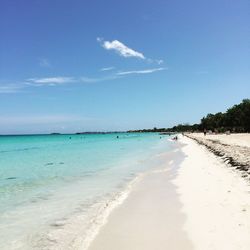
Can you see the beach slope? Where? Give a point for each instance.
(192, 201)
(216, 200)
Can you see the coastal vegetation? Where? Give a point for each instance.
(235, 119)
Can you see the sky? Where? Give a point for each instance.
(86, 65)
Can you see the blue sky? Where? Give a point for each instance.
(72, 65)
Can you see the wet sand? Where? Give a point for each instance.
(151, 217)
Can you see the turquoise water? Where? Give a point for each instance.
(49, 178)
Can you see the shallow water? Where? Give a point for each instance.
(55, 187)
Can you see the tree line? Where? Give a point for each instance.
(235, 119)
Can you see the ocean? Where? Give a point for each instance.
(57, 190)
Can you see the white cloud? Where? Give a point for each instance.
(100, 79)
(60, 80)
(125, 51)
(10, 88)
(120, 48)
(145, 71)
(107, 69)
(52, 80)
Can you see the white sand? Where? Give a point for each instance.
(234, 149)
(232, 139)
(215, 199)
(214, 203)
(150, 217)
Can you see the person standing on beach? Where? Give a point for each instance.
(205, 132)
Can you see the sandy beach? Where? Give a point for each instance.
(231, 139)
(191, 200)
(124, 125)
(233, 149)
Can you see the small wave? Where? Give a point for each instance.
(79, 230)
(102, 217)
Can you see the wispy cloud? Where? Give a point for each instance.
(159, 61)
(51, 80)
(120, 48)
(144, 71)
(44, 62)
(107, 69)
(61, 80)
(98, 79)
(11, 88)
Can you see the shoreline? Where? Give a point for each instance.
(203, 205)
(80, 182)
(138, 223)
